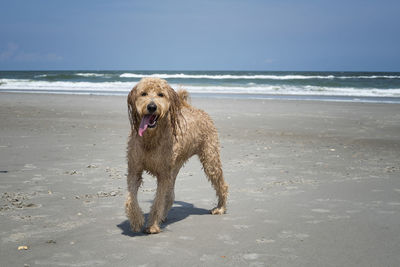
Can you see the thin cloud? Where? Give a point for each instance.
(13, 53)
(9, 52)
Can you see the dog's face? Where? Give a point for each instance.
(151, 101)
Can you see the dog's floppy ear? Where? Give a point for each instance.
(174, 109)
(132, 111)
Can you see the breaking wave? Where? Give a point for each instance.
(118, 87)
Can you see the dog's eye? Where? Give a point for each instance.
(144, 94)
(160, 94)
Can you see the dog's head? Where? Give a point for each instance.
(150, 102)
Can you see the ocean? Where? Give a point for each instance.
(330, 86)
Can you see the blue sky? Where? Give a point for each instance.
(353, 35)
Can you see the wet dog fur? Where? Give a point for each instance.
(165, 132)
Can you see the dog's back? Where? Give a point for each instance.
(196, 131)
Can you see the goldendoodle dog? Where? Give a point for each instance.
(165, 132)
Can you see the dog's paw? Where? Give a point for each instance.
(137, 225)
(218, 211)
(154, 229)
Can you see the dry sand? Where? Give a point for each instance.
(311, 184)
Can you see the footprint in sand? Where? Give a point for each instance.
(290, 234)
(241, 226)
(321, 210)
(265, 241)
(227, 239)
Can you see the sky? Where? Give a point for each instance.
(281, 35)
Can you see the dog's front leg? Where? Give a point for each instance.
(158, 208)
(169, 200)
(132, 209)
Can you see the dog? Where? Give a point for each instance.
(165, 132)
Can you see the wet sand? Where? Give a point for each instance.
(311, 184)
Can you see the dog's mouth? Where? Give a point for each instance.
(148, 121)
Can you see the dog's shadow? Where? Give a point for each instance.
(176, 214)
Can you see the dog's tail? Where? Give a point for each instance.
(183, 96)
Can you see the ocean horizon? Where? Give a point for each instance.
(299, 85)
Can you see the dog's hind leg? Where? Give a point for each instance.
(132, 209)
(209, 157)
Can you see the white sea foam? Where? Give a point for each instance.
(229, 76)
(29, 85)
(250, 77)
(223, 77)
(76, 74)
(124, 87)
(41, 76)
(298, 90)
(90, 74)
(370, 77)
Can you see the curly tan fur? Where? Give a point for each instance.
(181, 131)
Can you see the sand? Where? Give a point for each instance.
(311, 184)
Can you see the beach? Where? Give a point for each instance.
(312, 183)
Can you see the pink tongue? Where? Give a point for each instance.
(143, 124)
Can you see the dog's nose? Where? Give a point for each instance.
(152, 107)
